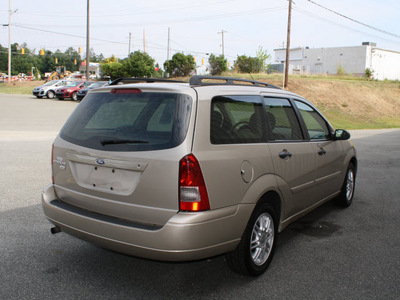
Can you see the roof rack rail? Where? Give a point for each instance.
(198, 81)
(123, 80)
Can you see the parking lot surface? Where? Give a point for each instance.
(332, 253)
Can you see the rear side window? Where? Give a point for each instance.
(236, 120)
(282, 120)
(129, 121)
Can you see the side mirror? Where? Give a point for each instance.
(341, 135)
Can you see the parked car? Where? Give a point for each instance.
(48, 89)
(183, 171)
(71, 89)
(82, 93)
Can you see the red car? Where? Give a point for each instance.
(71, 89)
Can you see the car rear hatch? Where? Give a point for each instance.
(119, 152)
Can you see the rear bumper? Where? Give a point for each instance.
(186, 236)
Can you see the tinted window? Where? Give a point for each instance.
(316, 125)
(129, 122)
(282, 120)
(236, 119)
(72, 83)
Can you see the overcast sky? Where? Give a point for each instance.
(195, 25)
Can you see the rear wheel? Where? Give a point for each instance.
(50, 94)
(346, 195)
(39, 97)
(256, 248)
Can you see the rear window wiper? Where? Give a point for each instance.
(114, 142)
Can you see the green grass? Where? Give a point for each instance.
(338, 120)
(10, 89)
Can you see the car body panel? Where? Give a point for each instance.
(82, 92)
(42, 91)
(128, 201)
(69, 91)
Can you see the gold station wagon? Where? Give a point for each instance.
(177, 171)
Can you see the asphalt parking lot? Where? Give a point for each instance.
(332, 253)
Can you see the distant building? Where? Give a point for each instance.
(385, 64)
(94, 70)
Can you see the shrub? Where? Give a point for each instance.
(218, 64)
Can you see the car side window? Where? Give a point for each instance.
(236, 120)
(315, 124)
(282, 120)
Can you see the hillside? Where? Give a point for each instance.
(349, 103)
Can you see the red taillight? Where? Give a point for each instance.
(192, 188)
(52, 155)
(126, 91)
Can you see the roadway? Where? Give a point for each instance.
(332, 253)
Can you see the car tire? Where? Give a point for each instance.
(345, 198)
(39, 97)
(50, 94)
(256, 248)
(74, 96)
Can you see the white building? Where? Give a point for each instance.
(385, 64)
(94, 70)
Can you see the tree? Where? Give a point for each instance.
(263, 56)
(113, 70)
(3, 59)
(247, 64)
(158, 72)
(218, 64)
(180, 65)
(21, 63)
(95, 58)
(111, 59)
(139, 64)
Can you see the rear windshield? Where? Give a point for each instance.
(129, 122)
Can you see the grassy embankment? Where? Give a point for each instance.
(348, 102)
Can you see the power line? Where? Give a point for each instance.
(355, 21)
(157, 46)
(337, 24)
(67, 34)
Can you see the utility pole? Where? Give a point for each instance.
(288, 45)
(129, 49)
(87, 43)
(223, 47)
(169, 35)
(9, 41)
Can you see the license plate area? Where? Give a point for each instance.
(105, 179)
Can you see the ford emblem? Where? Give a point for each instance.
(100, 161)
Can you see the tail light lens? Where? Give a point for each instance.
(192, 188)
(126, 91)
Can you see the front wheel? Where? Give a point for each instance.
(39, 97)
(74, 96)
(256, 248)
(50, 94)
(346, 195)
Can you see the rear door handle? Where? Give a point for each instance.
(321, 151)
(285, 154)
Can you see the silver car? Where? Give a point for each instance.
(183, 171)
(48, 89)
